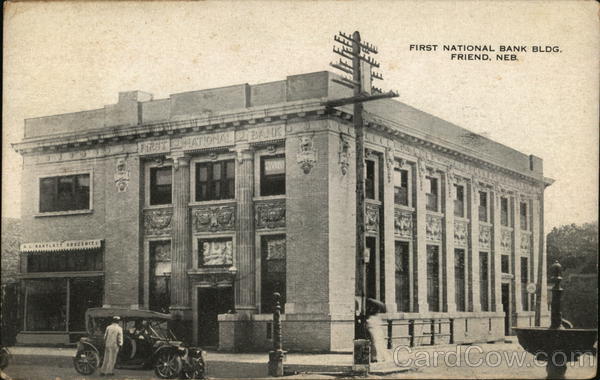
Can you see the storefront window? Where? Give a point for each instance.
(46, 305)
(85, 293)
(68, 261)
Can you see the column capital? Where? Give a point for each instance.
(243, 152)
(179, 159)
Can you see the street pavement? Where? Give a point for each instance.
(485, 361)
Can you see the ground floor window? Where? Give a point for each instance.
(484, 281)
(68, 261)
(433, 277)
(59, 304)
(160, 276)
(459, 279)
(524, 281)
(402, 276)
(273, 254)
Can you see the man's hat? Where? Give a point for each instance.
(116, 318)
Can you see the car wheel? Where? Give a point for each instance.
(167, 365)
(86, 362)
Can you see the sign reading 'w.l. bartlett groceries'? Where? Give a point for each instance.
(65, 245)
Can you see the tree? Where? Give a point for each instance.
(576, 248)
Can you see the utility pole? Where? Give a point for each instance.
(353, 49)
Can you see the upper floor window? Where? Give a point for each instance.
(370, 179)
(483, 206)
(433, 191)
(401, 190)
(523, 216)
(160, 185)
(215, 180)
(504, 214)
(272, 175)
(65, 193)
(459, 201)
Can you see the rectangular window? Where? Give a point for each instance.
(65, 193)
(505, 263)
(69, 261)
(523, 216)
(459, 279)
(432, 194)
(215, 252)
(160, 185)
(85, 293)
(483, 206)
(272, 175)
(433, 278)
(524, 281)
(160, 276)
(273, 279)
(46, 307)
(402, 276)
(484, 281)
(215, 180)
(459, 201)
(370, 179)
(504, 211)
(401, 193)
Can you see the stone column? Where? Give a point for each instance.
(516, 254)
(496, 250)
(244, 236)
(539, 251)
(448, 246)
(421, 240)
(473, 202)
(388, 231)
(180, 244)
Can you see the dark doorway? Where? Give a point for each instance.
(506, 307)
(211, 303)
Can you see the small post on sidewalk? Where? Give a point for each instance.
(276, 356)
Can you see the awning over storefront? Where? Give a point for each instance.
(61, 246)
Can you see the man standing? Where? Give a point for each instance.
(113, 340)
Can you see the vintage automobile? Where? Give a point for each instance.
(148, 342)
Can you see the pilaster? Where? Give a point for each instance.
(516, 255)
(245, 260)
(421, 240)
(474, 246)
(539, 254)
(448, 247)
(496, 251)
(180, 246)
(388, 232)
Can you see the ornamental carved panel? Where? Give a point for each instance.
(525, 242)
(372, 218)
(433, 228)
(403, 223)
(213, 218)
(506, 241)
(461, 233)
(485, 237)
(158, 222)
(270, 214)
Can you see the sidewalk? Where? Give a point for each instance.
(294, 362)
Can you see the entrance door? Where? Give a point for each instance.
(211, 303)
(506, 307)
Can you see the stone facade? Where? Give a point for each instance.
(222, 253)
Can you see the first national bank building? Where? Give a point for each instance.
(205, 203)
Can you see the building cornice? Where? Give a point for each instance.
(265, 114)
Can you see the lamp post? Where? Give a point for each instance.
(276, 356)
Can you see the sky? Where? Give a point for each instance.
(67, 57)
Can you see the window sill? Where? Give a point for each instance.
(373, 201)
(230, 270)
(215, 202)
(405, 208)
(63, 213)
(155, 207)
(435, 213)
(461, 219)
(32, 275)
(481, 223)
(268, 197)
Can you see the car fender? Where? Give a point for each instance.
(162, 348)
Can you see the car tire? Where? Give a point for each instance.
(86, 362)
(168, 365)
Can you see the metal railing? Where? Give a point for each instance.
(432, 334)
